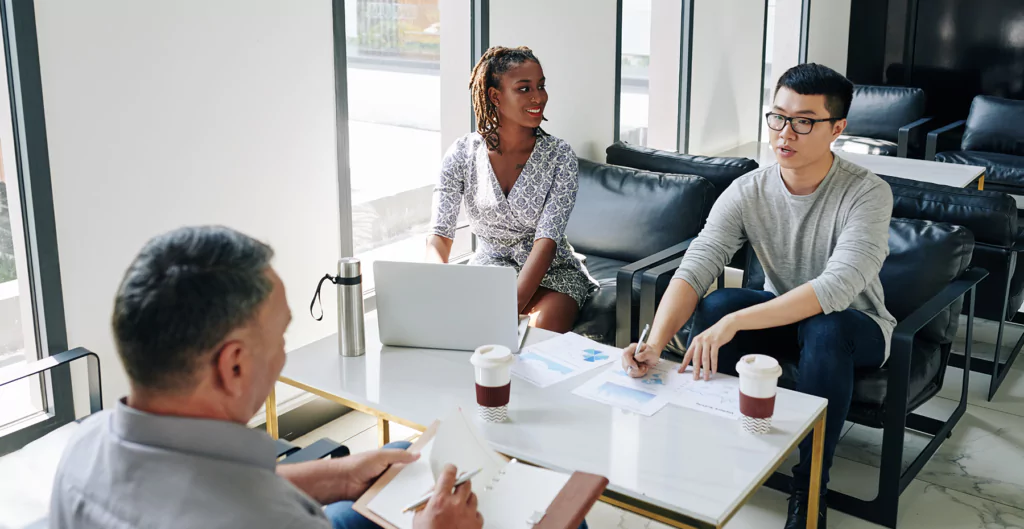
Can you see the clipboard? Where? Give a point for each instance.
(566, 511)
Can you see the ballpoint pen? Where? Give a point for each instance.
(643, 336)
(422, 502)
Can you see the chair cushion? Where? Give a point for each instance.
(626, 214)
(990, 215)
(597, 316)
(870, 385)
(995, 125)
(879, 111)
(907, 285)
(721, 171)
(1007, 169)
(864, 145)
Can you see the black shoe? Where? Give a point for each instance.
(797, 518)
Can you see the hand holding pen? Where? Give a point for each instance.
(638, 358)
(447, 508)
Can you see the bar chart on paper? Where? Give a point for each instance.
(561, 358)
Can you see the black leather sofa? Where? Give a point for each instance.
(720, 171)
(992, 218)
(887, 121)
(926, 302)
(992, 136)
(625, 221)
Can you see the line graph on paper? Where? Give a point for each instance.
(719, 396)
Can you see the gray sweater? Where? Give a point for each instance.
(836, 238)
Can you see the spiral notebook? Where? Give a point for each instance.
(511, 494)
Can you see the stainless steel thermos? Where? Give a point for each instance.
(351, 336)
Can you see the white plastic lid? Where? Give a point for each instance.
(492, 356)
(759, 366)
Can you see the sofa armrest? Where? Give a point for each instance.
(17, 372)
(912, 137)
(624, 316)
(913, 323)
(653, 284)
(946, 138)
(903, 337)
(318, 450)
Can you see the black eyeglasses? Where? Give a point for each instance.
(799, 125)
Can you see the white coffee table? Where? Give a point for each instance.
(949, 174)
(682, 467)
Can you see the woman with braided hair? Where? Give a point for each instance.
(519, 187)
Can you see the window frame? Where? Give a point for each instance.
(31, 155)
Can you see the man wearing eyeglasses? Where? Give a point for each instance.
(820, 228)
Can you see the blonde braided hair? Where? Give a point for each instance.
(487, 74)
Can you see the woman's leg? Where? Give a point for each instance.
(552, 310)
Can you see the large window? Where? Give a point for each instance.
(636, 59)
(29, 277)
(393, 50)
(394, 102)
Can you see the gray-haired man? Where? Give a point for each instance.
(199, 322)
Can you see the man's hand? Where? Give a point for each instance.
(703, 350)
(641, 361)
(361, 470)
(346, 478)
(447, 509)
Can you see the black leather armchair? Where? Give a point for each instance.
(887, 121)
(992, 137)
(720, 171)
(992, 218)
(626, 221)
(926, 302)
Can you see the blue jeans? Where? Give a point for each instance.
(342, 516)
(827, 347)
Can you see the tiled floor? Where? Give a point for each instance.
(975, 480)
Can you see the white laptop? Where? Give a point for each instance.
(446, 306)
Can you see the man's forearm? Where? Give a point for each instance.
(677, 305)
(318, 479)
(796, 305)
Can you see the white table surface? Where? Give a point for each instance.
(949, 174)
(689, 462)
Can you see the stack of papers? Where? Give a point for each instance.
(561, 358)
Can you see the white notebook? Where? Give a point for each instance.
(510, 494)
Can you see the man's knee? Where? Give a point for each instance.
(398, 445)
(826, 339)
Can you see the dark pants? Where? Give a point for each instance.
(827, 348)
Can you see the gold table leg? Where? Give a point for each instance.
(981, 183)
(383, 432)
(814, 494)
(271, 411)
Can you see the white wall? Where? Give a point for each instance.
(455, 70)
(663, 113)
(575, 42)
(786, 50)
(725, 85)
(829, 36)
(164, 114)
